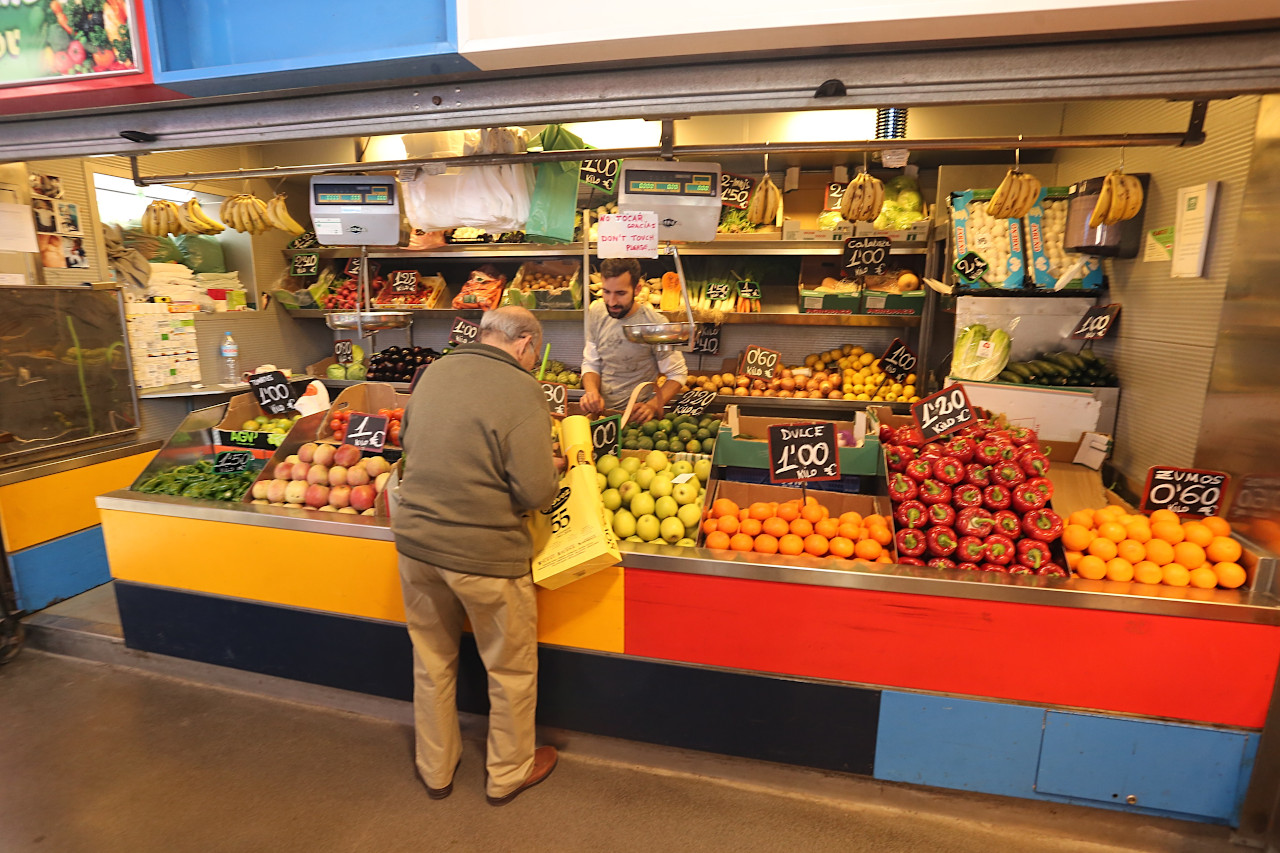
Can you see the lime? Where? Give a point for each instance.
(693, 447)
(644, 443)
(676, 446)
(661, 444)
(649, 427)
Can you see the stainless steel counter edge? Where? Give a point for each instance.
(57, 466)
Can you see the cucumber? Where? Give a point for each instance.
(1010, 376)
(1021, 368)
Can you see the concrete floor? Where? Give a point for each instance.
(96, 758)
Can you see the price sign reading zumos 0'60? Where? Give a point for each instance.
(1186, 491)
(760, 363)
(367, 432)
(273, 392)
(800, 453)
(898, 361)
(604, 435)
(1096, 323)
(943, 413)
(866, 255)
(557, 395)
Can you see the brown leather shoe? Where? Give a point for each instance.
(441, 793)
(544, 761)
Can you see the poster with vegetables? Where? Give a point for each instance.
(43, 40)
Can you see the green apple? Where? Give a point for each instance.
(602, 482)
(648, 527)
(616, 478)
(608, 518)
(687, 542)
(683, 466)
(607, 463)
(630, 464)
(657, 460)
(611, 498)
(690, 515)
(629, 490)
(634, 539)
(665, 507)
(686, 493)
(644, 477)
(702, 470)
(661, 485)
(672, 530)
(624, 524)
(642, 504)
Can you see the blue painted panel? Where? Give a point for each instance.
(958, 743)
(60, 568)
(1166, 766)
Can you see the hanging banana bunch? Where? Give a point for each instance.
(160, 218)
(278, 215)
(194, 220)
(1120, 199)
(1015, 196)
(766, 203)
(246, 213)
(863, 199)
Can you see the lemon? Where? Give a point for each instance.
(866, 358)
(864, 396)
(908, 390)
(911, 379)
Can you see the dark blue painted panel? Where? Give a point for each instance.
(60, 568)
(958, 743)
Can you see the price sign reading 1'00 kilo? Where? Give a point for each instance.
(343, 351)
(943, 413)
(759, 363)
(692, 402)
(970, 267)
(557, 395)
(463, 332)
(273, 392)
(866, 255)
(1096, 323)
(898, 361)
(1186, 491)
(367, 432)
(735, 191)
(803, 452)
(604, 435)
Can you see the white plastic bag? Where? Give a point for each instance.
(493, 198)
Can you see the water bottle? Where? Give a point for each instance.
(231, 361)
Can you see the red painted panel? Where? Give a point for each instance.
(1164, 666)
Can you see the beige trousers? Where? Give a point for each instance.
(504, 619)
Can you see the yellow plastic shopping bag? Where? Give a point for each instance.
(570, 538)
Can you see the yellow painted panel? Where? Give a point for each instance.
(586, 614)
(45, 508)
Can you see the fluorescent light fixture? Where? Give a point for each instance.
(382, 148)
(620, 133)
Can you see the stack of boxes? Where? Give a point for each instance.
(163, 345)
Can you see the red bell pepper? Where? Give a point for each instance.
(966, 495)
(970, 549)
(896, 456)
(1008, 523)
(919, 469)
(941, 563)
(994, 567)
(1033, 553)
(1044, 484)
(910, 561)
(961, 448)
(942, 514)
(886, 434)
(967, 567)
(911, 513)
(1019, 569)
(941, 541)
(933, 492)
(974, 521)
(1052, 570)
(1042, 524)
(932, 450)
(1007, 474)
(987, 452)
(999, 549)
(948, 469)
(1035, 464)
(979, 475)
(902, 487)
(1022, 435)
(910, 542)
(1027, 497)
(995, 498)
(910, 436)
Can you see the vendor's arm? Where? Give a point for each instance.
(672, 366)
(591, 402)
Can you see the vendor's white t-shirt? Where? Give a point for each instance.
(623, 364)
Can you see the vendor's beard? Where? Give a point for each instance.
(619, 312)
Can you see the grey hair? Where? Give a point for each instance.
(509, 324)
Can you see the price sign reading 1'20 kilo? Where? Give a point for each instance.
(273, 392)
(1186, 491)
(1096, 323)
(760, 363)
(801, 453)
(367, 432)
(898, 361)
(557, 395)
(604, 435)
(943, 413)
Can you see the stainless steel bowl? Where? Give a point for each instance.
(659, 334)
(372, 321)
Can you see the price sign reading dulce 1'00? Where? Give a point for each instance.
(866, 255)
(693, 402)
(760, 363)
(1186, 491)
(343, 351)
(943, 413)
(735, 190)
(1096, 323)
(557, 395)
(232, 461)
(273, 392)
(970, 267)
(604, 435)
(367, 432)
(801, 453)
(898, 361)
(463, 332)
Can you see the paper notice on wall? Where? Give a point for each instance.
(17, 229)
(628, 235)
(1191, 229)
(1158, 245)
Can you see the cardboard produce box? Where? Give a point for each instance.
(531, 275)
(879, 303)
(743, 441)
(815, 270)
(366, 397)
(230, 432)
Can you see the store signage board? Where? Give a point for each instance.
(604, 435)
(943, 413)
(557, 394)
(33, 51)
(404, 281)
(1186, 491)
(803, 453)
(344, 351)
(463, 332)
(628, 235)
(353, 268)
(865, 255)
(1096, 323)
(707, 339)
(749, 289)
(718, 290)
(692, 402)
(367, 432)
(834, 195)
(898, 361)
(273, 392)
(305, 264)
(970, 267)
(760, 363)
(599, 173)
(232, 461)
(735, 191)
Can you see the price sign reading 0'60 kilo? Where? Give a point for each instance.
(943, 413)
(1186, 491)
(273, 392)
(760, 363)
(343, 351)
(367, 432)
(557, 396)
(800, 453)
(898, 361)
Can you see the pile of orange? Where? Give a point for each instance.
(797, 527)
(1160, 549)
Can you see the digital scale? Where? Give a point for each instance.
(685, 196)
(355, 210)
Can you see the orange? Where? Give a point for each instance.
(741, 542)
(851, 517)
(816, 545)
(1119, 569)
(801, 527)
(1203, 578)
(1132, 551)
(827, 527)
(1164, 515)
(1159, 552)
(876, 519)
(1107, 513)
(1147, 572)
(1073, 557)
(1223, 549)
(1082, 517)
(1169, 531)
(775, 527)
(884, 558)
(853, 532)
(766, 544)
(1112, 530)
(1230, 575)
(750, 526)
(1091, 567)
(868, 549)
(1197, 532)
(723, 506)
(761, 511)
(881, 534)
(789, 511)
(1102, 548)
(812, 513)
(1220, 526)
(744, 514)
(727, 524)
(841, 547)
(1188, 554)
(1138, 531)
(790, 544)
(718, 540)
(1176, 574)
(711, 525)
(1076, 537)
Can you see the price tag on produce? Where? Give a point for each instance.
(865, 255)
(232, 461)
(717, 290)
(1186, 491)
(463, 332)
(1257, 497)
(735, 191)
(344, 351)
(273, 392)
(801, 453)
(627, 235)
(898, 361)
(353, 268)
(557, 394)
(604, 435)
(692, 402)
(759, 363)
(970, 267)
(943, 413)
(707, 339)
(749, 289)
(599, 173)
(367, 432)
(404, 281)
(1096, 323)
(834, 195)
(305, 264)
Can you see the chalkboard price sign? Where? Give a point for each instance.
(1257, 497)
(353, 268)
(735, 191)
(692, 402)
(604, 435)
(1186, 491)
(404, 281)
(760, 363)
(557, 394)
(1096, 323)
(232, 461)
(898, 361)
(273, 392)
(866, 255)
(749, 289)
(719, 290)
(463, 332)
(343, 351)
(801, 453)
(305, 264)
(707, 340)
(943, 413)
(367, 432)
(970, 267)
(599, 173)
(834, 195)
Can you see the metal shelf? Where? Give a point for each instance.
(544, 314)
(783, 318)
(719, 247)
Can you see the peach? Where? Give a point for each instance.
(358, 475)
(260, 490)
(296, 491)
(340, 496)
(369, 512)
(292, 459)
(318, 474)
(324, 454)
(376, 465)
(284, 471)
(380, 482)
(260, 501)
(299, 471)
(307, 452)
(347, 510)
(346, 455)
(276, 490)
(337, 476)
(362, 497)
(317, 495)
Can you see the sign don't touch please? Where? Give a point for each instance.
(628, 235)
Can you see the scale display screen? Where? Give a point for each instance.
(353, 193)
(651, 182)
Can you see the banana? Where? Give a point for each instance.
(1032, 184)
(1136, 196)
(278, 214)
(188, 225)
(863, 199)
(875, 202)
(259, 208)
(999, 205)
(1103, 205)
(852, 200)
(202, 223)
(149, 220)
(765, 203)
